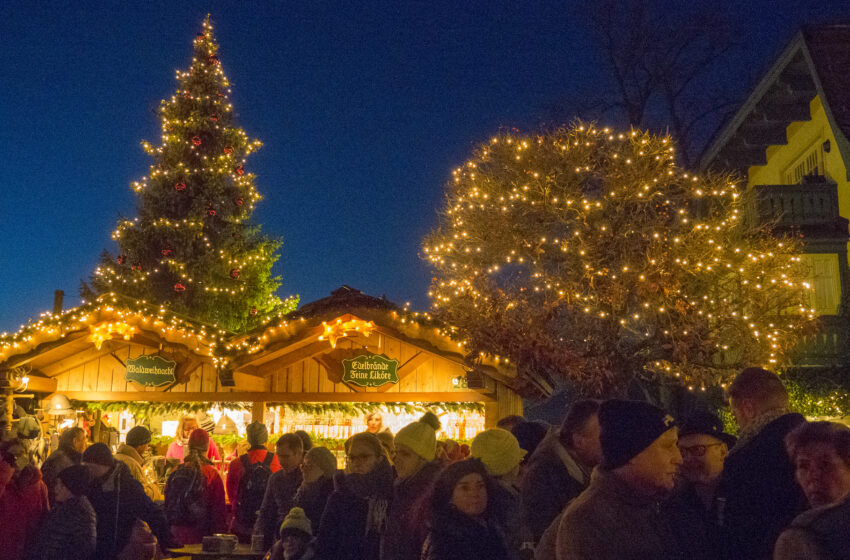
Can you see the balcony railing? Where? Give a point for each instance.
(810, 207)
(829, 347)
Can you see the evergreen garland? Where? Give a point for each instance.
(144, 409)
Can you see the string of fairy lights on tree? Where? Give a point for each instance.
(588, 253)
(192, 246)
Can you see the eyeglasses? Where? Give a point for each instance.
(359, 458)
(697, 450)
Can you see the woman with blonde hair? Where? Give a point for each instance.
(177, 449)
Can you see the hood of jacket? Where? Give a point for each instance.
(130, 452)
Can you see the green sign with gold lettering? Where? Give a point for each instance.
(151, 370)
(370, 370)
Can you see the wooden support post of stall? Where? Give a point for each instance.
(258, 412)
(491, 414)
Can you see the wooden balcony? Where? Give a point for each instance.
(829, 347)
(809, 208)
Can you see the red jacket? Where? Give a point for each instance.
(217, 522)
(23, 504)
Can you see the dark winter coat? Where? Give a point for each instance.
(609, 521)
(455, 536)
(761, 495)
(54, 464)
(23, 504)
(118, 500)
(696, 528)
(551, 480)
(355, 516)
(505, 502)
(69, 532)
(313, 498)
(277, 502)
(819, 534)
(406, 520)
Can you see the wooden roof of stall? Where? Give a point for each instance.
(82, 353)
(302, 334)
(815, 63)
(58, 343)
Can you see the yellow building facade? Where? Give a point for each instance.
(789, 139)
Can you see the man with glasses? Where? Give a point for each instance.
(695, 507)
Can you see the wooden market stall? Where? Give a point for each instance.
(346, 348)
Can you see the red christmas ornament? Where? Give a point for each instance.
(219, 94)
(240, 171)
(214, 118)
(228, 149)
(253, 311)
(122, 259)
(239, 201)
(213, 60)
(211, 211)
(187, 95)
(234, 273)
(137, 266)
(166, 252)
(196, 140)
(181, 186)
(200, 37)
(178, 287)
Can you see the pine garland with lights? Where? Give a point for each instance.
(147, 409)
(192, 246)
(587, 255)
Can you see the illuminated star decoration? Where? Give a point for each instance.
(339, 329)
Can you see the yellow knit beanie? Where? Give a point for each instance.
(420, 438)
(296, 520)
(498, 449)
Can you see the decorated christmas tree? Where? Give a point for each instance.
(192, 246)
(588, 256)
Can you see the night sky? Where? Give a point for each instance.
(364, 109)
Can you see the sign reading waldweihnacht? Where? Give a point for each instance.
(370, 370)
(151, 370)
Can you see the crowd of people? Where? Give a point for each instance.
(617, 479)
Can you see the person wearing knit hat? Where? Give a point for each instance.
(317, 485)
(76, 480)
(501, 454)
(69, 530)
(296, 537)
(118, 500)
(99, 459)
(617, 516)
(499, 450)
(132, 454)
(461, 516)
(182, 501)
(257, 434)
(246, 494)
(416, 471)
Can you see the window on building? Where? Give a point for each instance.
(825, 281)
(810, 163)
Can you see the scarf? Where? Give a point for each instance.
(758, 424)
(376, 487)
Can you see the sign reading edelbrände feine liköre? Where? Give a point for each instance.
(151, 370)
(370, 370)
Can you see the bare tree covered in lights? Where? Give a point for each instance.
(192, 246)
(588, 255)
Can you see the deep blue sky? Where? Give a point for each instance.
(364, 109)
